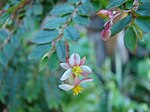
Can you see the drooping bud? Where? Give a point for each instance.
(105, 34)
(103, 13)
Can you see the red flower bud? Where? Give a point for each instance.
(103, 13)
(105, 34)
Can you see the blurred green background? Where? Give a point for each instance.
(117, 87)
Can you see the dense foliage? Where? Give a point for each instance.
(36, 35)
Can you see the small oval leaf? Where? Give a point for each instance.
(71, 33)
(55, 23)
(61, 50)
(130, 39)
(39, 51)
(45, 36)
(61, 10)
(120, 25)
(144, 23)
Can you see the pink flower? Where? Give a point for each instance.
(75, 67)
(75, 85)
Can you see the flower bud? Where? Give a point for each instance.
(105, 34)
(103, 13)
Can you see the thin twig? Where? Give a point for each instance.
(21, 5)
(63, 27)
(67, 52)
(67, 23)
(25, 2)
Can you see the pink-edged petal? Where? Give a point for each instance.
(84, 74)
(86, 69)
(76, 81)
(65, 87)
(66, 75)
(65, 65)
(74, 59)
(84, 80)
(83, 60)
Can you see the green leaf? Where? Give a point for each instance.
(144, 1)
(96, 5)
(43, 63)
(53, 62)
(73, 1)
(143, 71)
(39, 51)
(116, 3)
(144, 9)
(55, 23)
(129, 4)
(5, 17)
(34, 82)
(3, 35)
(45, 36)
(71, 33)
(37, 9)
(61, 10)
(120, 25)
(51, 92)
(138, 31)
(84, 9)
(15, 41)
(3, 59)
(8, 50)
(82, 20)
(130, 39)
(144, 23)
(61, 50)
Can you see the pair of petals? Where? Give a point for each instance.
(74, 60)
(77, 81)
(86, 71)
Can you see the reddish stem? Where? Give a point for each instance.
(67, 52)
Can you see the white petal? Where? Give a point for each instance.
(74, 59)
(65, 65)
(86, 69)
(86, 80)
(66, 75)
(65, 87)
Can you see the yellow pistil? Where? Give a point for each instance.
(77, 70)
(77, 89)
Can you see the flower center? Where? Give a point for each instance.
(77, 89)
(77, 70)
